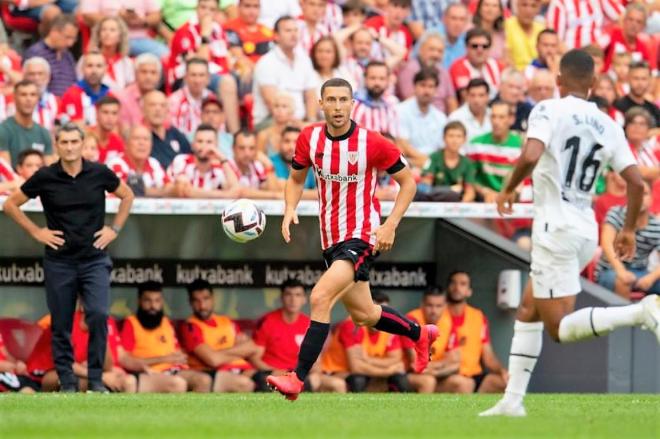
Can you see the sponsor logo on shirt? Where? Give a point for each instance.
(353, 178)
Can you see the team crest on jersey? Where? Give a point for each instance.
(352, 157)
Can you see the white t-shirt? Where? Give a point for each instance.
(580, 142)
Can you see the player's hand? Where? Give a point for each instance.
(290, 216)
(384, 237)
(104, 237)
(624, 245)
(626, 277)
(645, 282)
(52, 238)
(504, 201)
(20, 368)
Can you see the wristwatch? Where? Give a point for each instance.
(115, 229)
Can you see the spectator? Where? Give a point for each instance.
(90, 149)
(20, 132)
(606, 89)
(110, 37)
(29, 162)
(202, 37)
(54, 48)
(447, 171)
(354, 12)
(548, 54)
(326, 61)
(141, 16)
(465, 328)
(420, 123)
(135, 167)
(279, 334)
(640, 85)
(186, 103)
(45, 13)
(454, 25)
(476, 64)
(148, 70)
(362, 355)
(638, 123)
(522, 33)
(253, 169)
(37, 70)
(272, 11)
(214, 115)
(391, 25)
(311, 26)
(489, 16)
(78, 103)
(622, 277)
(284, 69)
(580, 23)
(426, 14)
(10, 67)
(206, 173)
(620, 72)
(431, 50)
(215, 343)
(512, 90)
(283, 158)
(614, 195)
(474, 114)
(626, 38)
(107, 128)
(10, 368)
(150, 342)
(373, 109)
(542, 86)
(167, 140)
(495, 153)
(268, 139)
(597, 54)
(175, 13)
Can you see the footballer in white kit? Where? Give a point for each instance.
(569, 143)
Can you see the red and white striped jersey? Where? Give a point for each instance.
(334, 19)
(307, 37)
(153, 175)
(580, 22)
(647, 156)
(45, 113)
(377, 116)
(6, 171)
(186, 111)
(346, 170)
(253, 178)
(461, 72)
(356, 71)
(121, 73)
(184, 166)
(5, 102)
(401, 36)
(187, 39)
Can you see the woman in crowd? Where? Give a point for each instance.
(110, 37)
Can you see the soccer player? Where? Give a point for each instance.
(346, 159)
(569, 140)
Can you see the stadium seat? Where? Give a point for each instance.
(19, 336)
(18, 24)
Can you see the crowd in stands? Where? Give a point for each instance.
(205, 99)
(148, 352)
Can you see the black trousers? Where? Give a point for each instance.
(65, 281)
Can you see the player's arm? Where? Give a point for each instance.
(385, 233)
(448, 365)
(607, 237)
(214, 358)
(358, 363)
(624, 244)
(293, 191)
(257, 359)
(108, 234)
(11, 207)
(392, 359)
(529, 157)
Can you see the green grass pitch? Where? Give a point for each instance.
(323, 416)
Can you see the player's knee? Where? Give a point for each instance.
(338, 385)
(176, 385)
(320, 299)
(246, 384)
(201, 382)
(365, 318)
(129, 384)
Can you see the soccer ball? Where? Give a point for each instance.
(243, 221)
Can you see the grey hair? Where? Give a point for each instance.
(37, 60)
(511, 74)
(637, 7)
(427, 35)
(68, 128)
(148, 58)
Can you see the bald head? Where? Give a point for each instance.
(542, 85)
(576, 72)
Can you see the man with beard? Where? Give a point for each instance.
(206, 173)
(37, 70)
(640, 79)
(465, 329)
(431, 52)
(78, 102)
(215, 343)
(547, 49)
(152, 348)
(372, 110)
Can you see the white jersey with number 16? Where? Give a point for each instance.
(580, 143)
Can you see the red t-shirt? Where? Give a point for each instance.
(402, 35)
(114, 147)
(2, 349)
(254, 43)
(280, 339)
(639, 50)
(41, 358)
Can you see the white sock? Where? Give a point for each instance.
(592, 322)
(525, 350)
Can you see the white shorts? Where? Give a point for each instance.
(558, 257)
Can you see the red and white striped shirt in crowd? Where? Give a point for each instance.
(616, 115)
(121, 73)
(401, 36)
(580, 22)
(648, 155)
(334, 18)
(153, 175)
(6, 171)
(356, 71)
(307, 37)
(45, 113)
(188, 39)
(380, 116)
(461, 72)
(255, 176)
(184, 165)
(5, 102)
(185, 110)
(346, 170)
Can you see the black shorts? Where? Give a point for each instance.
(359, 252)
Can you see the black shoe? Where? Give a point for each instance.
(97, 387)
(69, 388)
